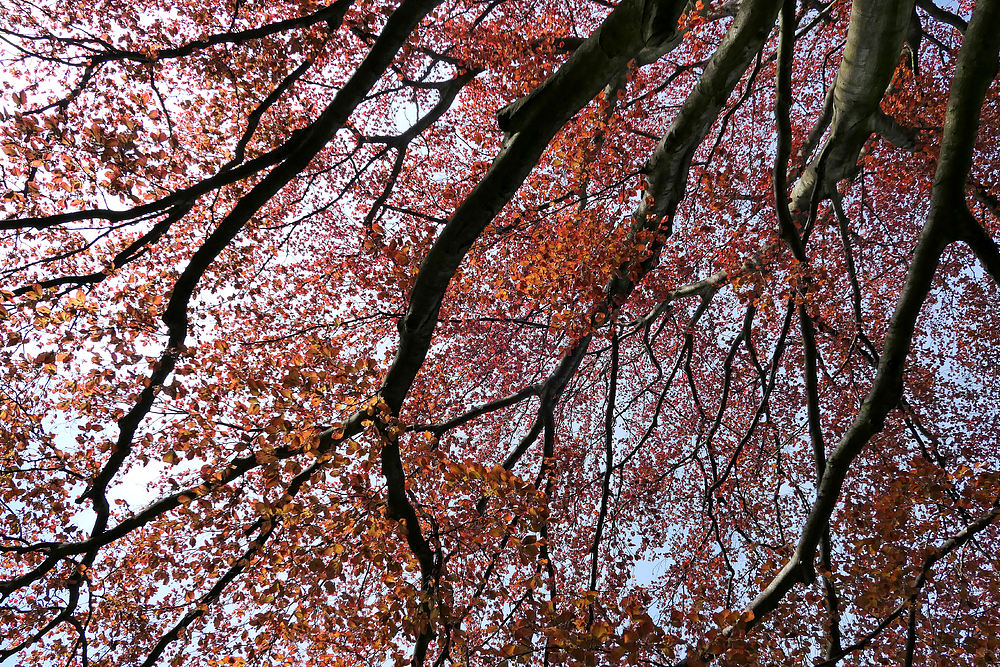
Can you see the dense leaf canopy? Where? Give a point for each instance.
(485, 332)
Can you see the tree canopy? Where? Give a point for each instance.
(498, 332)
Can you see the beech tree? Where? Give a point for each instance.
(497, 332)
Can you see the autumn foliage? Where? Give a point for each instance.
(468, 332)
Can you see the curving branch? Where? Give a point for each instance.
(875, 40)
(909, 605)
(976, 69)
(333, 117)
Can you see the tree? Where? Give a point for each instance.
(508, 332)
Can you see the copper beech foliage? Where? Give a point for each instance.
(498, 332)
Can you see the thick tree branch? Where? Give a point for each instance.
(977, 66)
(874, 41)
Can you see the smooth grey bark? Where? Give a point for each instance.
(634, 28)
(875, 39)
(666, 179)
(633, 31)
(975, 71)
